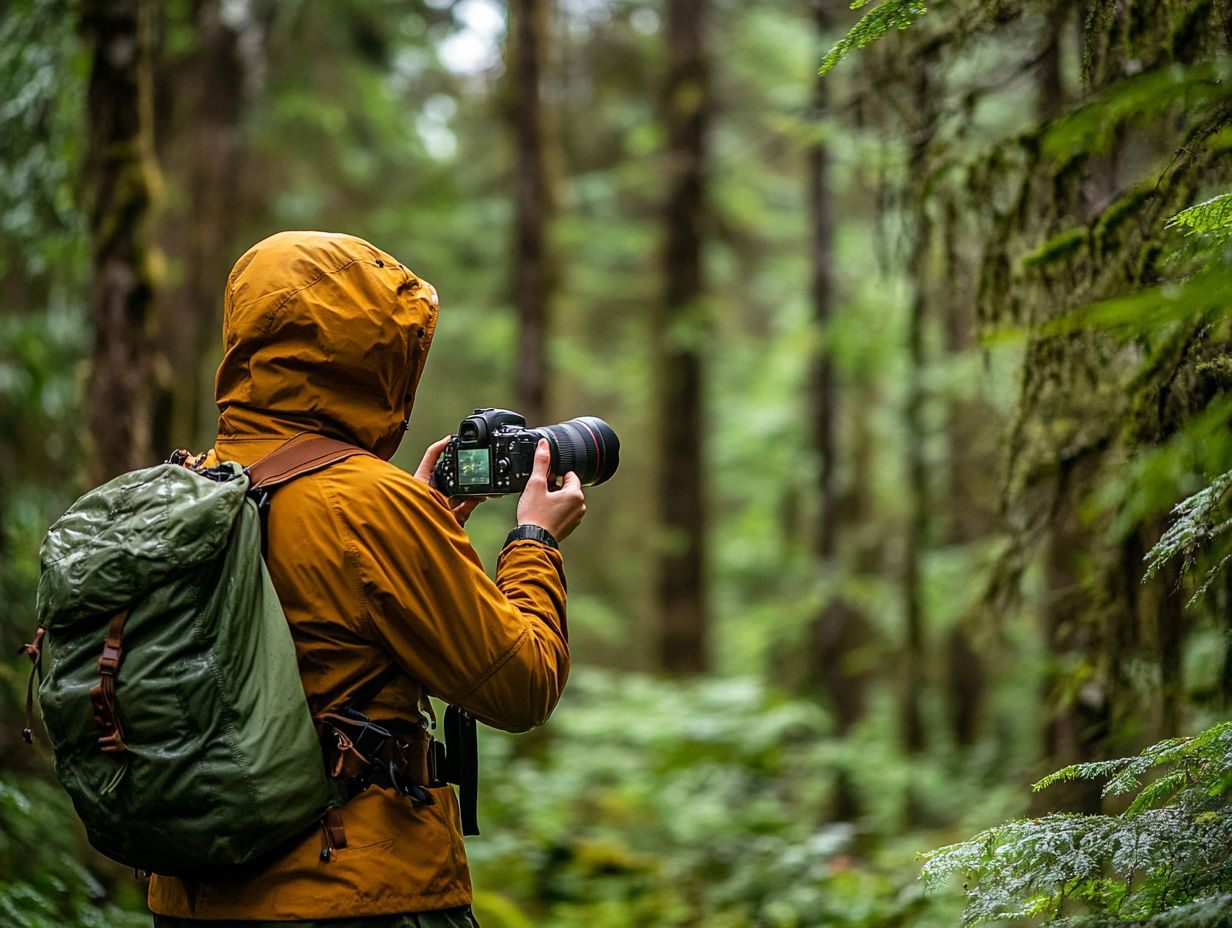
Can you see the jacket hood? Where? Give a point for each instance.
(322, 332)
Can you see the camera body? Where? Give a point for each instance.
(494, 453)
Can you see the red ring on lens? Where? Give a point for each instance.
(598, 450)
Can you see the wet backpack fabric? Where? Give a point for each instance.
(219, 763)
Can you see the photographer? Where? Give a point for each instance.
(388, 602)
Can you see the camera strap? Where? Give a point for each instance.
(462, 765)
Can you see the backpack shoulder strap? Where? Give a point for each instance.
(302, 455)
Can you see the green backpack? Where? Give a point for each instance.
(169, 685)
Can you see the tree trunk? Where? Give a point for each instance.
(840, 632)
(825, 400)
(1077, 715)
(914, 657)
(121, 177)
(205, 153)
(533, 273)
(680, 332)
(1157, 607)
(970, 516)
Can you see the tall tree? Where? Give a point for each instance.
(912, 683)
(840, 631)
(1076, 718)
(533, 272)
(120, 180)
(680, 331)
(972, 489)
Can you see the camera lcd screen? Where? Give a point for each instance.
(473, 466)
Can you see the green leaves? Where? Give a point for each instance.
(890, 14)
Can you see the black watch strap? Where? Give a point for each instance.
(532, 533)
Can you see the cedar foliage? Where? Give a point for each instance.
(1167, 858)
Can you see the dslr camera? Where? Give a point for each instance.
(494, 452)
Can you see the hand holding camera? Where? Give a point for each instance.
(495, 454)
(462, 508)
(557, 511)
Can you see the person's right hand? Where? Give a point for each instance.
(558, 511)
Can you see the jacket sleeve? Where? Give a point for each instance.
(498, 649)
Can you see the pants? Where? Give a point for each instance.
(444, 918)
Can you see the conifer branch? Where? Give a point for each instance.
(890, 14)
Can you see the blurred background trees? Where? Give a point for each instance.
(911, 364)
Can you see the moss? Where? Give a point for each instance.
(1148, 259)
(1124, 208)
(1060, 247)
(1189, 33)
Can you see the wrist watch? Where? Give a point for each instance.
(532, 533)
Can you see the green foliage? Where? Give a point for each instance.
(44, 261)
(1171, 847)
(48, 879)
(887, 15)
(1138, 100)
(660, 803)
(1212, 217)
(41, 91)
(1198, 521)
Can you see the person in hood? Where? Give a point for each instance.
(325, 334)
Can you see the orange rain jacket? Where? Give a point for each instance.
(324, 333)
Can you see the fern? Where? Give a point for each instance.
(890, 14)
(1167, 858)
(1198, 520)
(1214, 217)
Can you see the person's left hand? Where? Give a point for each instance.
(461, 508)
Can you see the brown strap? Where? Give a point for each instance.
(103, 695)
(302, 455)
(34, 651)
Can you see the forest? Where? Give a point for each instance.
(910, 603)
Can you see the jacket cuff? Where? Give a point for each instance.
(531, 533)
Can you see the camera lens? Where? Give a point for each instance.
(586, 445)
